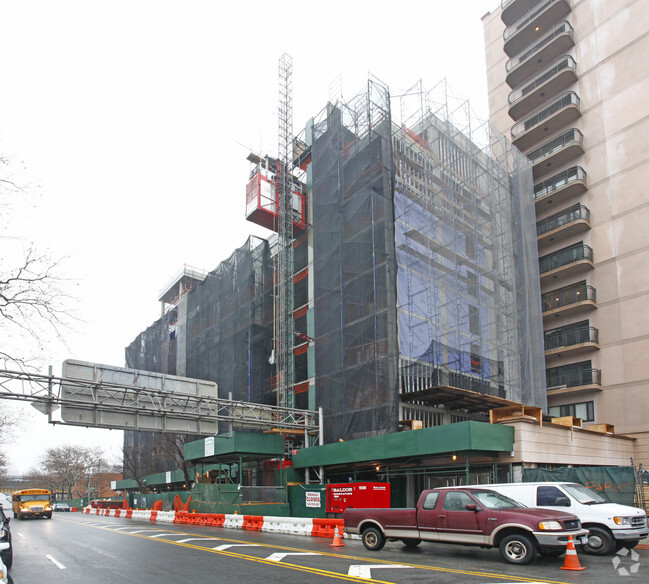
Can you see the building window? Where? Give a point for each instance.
(583, 410)
(474, 320)
(473, 283)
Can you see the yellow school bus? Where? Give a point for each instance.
(32, 503)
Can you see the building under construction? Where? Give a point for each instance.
(413, 275)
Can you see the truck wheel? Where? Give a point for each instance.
(411, 542)
(600, 542)
(517, 549)
(373, 539)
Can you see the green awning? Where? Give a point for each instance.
(465, 437)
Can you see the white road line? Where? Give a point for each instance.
(122, 528)
(280, 556)
(59, 565)
(197, 539)
(163, 534)
(220, 548)
(141, 531)
(366, 571)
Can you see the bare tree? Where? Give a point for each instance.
(34, 304)
(172, 447)
(68, 469)
(9, 423)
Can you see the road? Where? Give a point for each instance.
(87, 549)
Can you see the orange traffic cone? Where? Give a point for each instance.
(572, 561)
(337, 541)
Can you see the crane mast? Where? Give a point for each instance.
(284, 313)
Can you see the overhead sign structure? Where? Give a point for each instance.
(132, 399)
(105, 396)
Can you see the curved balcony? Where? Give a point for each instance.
(512, 10)
(556, 77)
(546, 120)
(560, 187)
(573, 378)
(557, 151)
(570, 300)
(533, 24)
(555, 43)
(572, 339)
(560, 226)
(566, 262)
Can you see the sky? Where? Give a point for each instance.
(132, 120)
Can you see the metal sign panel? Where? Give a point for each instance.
(106, 396)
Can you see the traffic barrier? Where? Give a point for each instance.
(252, 522)
(572, 561)
(326, 527)
(305, 526)
(233, 521)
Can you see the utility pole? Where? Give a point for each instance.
(284, 315)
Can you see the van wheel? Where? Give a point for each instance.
(517, 549)
(600, 542)
(411, 542)
(373, 539)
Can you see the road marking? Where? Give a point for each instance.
(115, 529)
(163, 534)
(341, 576)
(365, 571)
(197, 539)
(220, 548)
(59, 565)
(280, 556)
(141, 531)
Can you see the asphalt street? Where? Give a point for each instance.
(81, 549)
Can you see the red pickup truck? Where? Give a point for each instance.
(469, 516)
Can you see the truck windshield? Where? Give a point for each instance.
(493, 500)
(583, 494)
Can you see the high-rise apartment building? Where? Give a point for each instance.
(568, 82)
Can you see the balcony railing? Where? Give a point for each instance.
(558, 181)
(570, 336)
(543, 113)
(568, 296)
(572, 136)
(565, 217)
(533, 24)
(526, 18)
(511, 10)
(563, 62)
(573, 377)
(565, 257)
(561, 27)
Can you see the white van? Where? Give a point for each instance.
(612, 526)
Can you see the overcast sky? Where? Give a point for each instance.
(134, 118)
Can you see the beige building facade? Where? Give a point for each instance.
(568, 83)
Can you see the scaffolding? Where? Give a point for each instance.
(284, 316)
(424, 262)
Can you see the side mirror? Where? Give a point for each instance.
(471, 507)
(562, 502)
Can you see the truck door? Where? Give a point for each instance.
(455, 521)
(427, 516)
